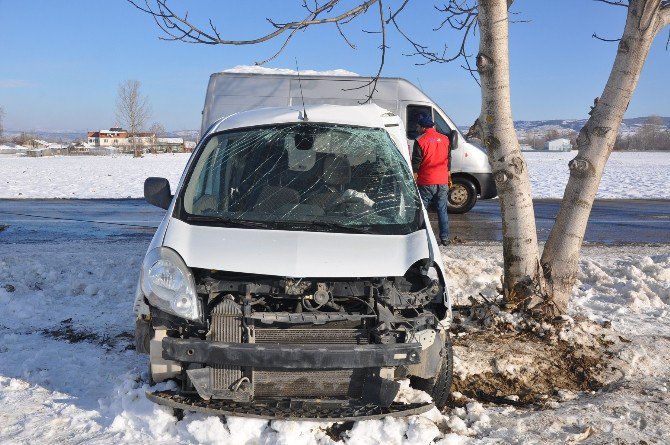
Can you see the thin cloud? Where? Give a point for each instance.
(15, 83)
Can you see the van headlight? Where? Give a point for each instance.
(168, 283)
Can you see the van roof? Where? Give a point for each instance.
(307, 74)
(369, 115)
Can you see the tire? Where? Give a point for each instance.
(439, 387)
(462, 195)
(143, 335)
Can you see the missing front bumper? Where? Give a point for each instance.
(242, 372)
(335, 411)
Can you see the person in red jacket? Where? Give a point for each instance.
(430, 162)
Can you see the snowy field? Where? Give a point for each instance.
(627, 175)
(67, 374)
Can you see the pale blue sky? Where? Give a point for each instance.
(61, 61)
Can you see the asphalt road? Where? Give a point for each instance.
(40, 221)
(611, 222)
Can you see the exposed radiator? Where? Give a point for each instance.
(311, 383)
(226, 327)
(311, 336)
(341, 383)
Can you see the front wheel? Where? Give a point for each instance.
(439, 387)
(462, 195)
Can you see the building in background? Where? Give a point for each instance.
(118, 137)
(168, 145)
(560, 144)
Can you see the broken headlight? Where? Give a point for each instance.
(168, 283)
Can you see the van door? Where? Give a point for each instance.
(413, 113)
(441, 125)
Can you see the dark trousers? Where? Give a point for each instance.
(437, 194)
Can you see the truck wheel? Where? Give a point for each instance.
(462, 195)
(438, 387)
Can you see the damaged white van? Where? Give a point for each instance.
(295, 274)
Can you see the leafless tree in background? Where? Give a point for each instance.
(132, 110)
(2, 127)
(158, 131)
(541, 285)
(653, 135)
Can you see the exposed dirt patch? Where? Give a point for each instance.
(337, 431)
(67, 332)
(523, 369)
(509, 361)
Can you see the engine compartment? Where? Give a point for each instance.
(331, 314)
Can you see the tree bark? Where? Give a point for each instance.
(495, 127)
(560, 258)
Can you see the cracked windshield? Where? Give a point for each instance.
(304, 177)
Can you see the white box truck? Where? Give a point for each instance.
(232, 92)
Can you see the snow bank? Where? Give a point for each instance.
(612, 280)
(627, 175)
(66, 374)
(255, 69)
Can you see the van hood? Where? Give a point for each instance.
(295, 253)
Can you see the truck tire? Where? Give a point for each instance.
(438, 387)
(462, 195)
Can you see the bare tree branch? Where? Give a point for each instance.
(179, 27)
(461, 15)
(398, 11)
(339, 29)
(596, 36)
(623, 3)
(375, 79)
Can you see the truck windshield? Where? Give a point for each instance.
(303, 176)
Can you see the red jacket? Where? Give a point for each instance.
(430, 158)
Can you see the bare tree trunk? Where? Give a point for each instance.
(560, 259)
(133, 109)
(495, 127)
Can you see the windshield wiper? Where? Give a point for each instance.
(229, 222)
(332, 226)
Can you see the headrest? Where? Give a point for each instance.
(336, 170)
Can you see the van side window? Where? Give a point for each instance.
(440, 125)
(413, 113)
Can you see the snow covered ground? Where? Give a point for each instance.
(66, 375)
(627, 175)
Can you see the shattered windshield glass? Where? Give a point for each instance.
(303, 176)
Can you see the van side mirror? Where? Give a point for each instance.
(157, 192)
(455, 139)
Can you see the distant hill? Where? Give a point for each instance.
(523, 128)
(628, 126)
